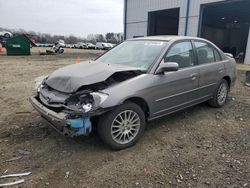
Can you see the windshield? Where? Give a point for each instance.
(139, 54)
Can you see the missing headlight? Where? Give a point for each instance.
(87, 107)
(86, 101)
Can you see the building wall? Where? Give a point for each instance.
(137, 15)
(136, 19)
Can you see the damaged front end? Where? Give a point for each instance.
(72, 113)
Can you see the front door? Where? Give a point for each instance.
(176, 90)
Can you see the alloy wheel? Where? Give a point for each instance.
(222, 93)
(125, 127)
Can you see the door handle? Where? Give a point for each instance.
(220, 70)
(193, 76)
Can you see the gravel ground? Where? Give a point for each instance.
(198, 147)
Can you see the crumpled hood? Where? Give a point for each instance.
(70, 78)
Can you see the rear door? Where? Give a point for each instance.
(211, 67)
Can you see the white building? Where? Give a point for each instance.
(224, 22)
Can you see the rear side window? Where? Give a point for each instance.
(181, 53)
(217, 55)
(205, 53)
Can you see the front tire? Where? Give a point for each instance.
(220, 95)
(122, 127)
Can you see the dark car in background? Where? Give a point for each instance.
(137, 81)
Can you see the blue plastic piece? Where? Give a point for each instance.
(82, 125)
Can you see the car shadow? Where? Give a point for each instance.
(40, 130)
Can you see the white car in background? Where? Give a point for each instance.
(111, 45)
(90, 45)
(80, 45)
(6, 34)
(102, 46)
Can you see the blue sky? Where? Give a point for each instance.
(77, 17)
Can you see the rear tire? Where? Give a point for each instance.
(220, 95)
(7, 35)
(122, 127)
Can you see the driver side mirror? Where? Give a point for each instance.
(167, 67)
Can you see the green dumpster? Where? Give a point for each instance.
(19, 45)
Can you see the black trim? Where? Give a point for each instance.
(125, 18)
(187, 18)
(200, 20)
(195, 53)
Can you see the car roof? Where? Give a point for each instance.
(165, 38)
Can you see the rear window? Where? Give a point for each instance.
(205, 52)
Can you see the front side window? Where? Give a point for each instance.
(181, 53)
(205, 53)
(140, 54)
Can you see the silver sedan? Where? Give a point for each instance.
(137, 81)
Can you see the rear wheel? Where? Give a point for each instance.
(122, 127)
(220, 95)
(7, 35)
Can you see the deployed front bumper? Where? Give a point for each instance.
(67, 123)
(56, 120)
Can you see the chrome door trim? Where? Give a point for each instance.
(176, 106)
(182, 93)
(177, 110)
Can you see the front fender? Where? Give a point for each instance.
(136, 87)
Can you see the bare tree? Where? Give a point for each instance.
(48, 38)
